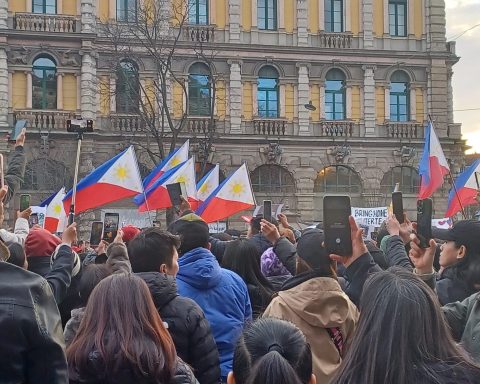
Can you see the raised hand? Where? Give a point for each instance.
(422, 258)
(358, 245)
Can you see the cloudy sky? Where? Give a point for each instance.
(462, 15)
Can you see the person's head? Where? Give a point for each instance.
(91, 276)
(87, 245)
(193, 232)
(129, 233)
(154, 250)
(462, 244)
(311, 255)
(40, 243)
(122, 326)
(272, 351)
(81, 246)
(222, 236)
(17, 256)
(400, 331)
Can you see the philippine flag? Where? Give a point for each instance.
(433, 165)
(176, 157)
(114, 180)
(157, 194)
(208, 184)
(55, 217)
(232, 196)
(467, 185)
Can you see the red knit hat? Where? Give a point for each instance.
(129, 232)
(40, 242)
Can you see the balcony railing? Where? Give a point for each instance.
(200, 124)
(335, 40)
(341, 128)
(126, 123)
(199, 33)
(36, 22)
(410, 130)
(43, 120)
(274, 127)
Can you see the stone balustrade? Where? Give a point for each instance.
(273, 127)
(201, 124)
(410, 130)
(341, 128)
(36, 22)
(126, 123)
(199, 33)
(44, 120)
(335, 40)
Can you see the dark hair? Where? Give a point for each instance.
(255, 223)
(92, 274)
(272, 351)
(400, 333)
(17, 255)
(465, 269)
(151, 248)
(221, 236)
(123, 328)
(193, 233)
(242, 257)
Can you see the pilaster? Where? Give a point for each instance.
(3, 88)
(88, 10)
(235, 96)
(303, 98)
(60, 91)
(302, 23)
(4, 14)
(234, 15)
(28, 102)
(88, 85)
(369, 99)
(367, 23)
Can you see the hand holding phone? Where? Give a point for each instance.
(96, 233)
(397, 203)
(424, 221)
(110, 226)
(175, 191)
(336, 213)
(24, 202)
(267, 210)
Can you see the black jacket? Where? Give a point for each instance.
(261, 243)
(15, 172)
(187, 325)
(32, 349)
(259, 300)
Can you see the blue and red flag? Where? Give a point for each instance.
(467, 186)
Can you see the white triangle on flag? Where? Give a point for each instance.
(124, 173)
(185, 174)
(209, 184)
(436, 148)
(238, 187)
(180, 156)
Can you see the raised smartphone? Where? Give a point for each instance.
(110, 226)
(96, 233)
(24, 202)
(336, 211)
(397, 204)
(267, 210)
(424, 221)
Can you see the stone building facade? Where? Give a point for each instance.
(373, 69)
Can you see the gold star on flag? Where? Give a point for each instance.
(175, 161)
(121, 173)
(181, 179)
(57, 209)
(237, 189)
(204, 188)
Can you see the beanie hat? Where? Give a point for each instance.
(40, 242)
(310, 250)
(193, 232)
(129, 232)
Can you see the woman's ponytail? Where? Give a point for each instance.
(273, 368)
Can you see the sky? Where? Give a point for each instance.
(462, 15)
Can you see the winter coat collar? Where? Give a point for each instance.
(162, 287)
(200, 269)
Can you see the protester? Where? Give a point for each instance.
(272, 351)
(15, 167)
(386, 348)
(221, 293)
(255, 235)
(241, 257)
(273, 269)
(20, 231)
(154, 258)
(314, 301)
(129, 233)
(17, 256)
(121, 338)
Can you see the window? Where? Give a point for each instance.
(46, 175)
(267, 14)
(44, 6)
(44, 83)
(397, 15)
(127, 88)
(199, 90)
(268, 93)
(271, 178)
(198, 11)
(407, 177)
(335, 95)
(338, 178)
(399, 97)
(127, 10)
(333, 15)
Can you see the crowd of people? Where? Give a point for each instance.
(182, 306)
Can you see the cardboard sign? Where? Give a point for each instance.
(217, 227)
(371, 217)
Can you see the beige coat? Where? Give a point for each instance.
(312, 306)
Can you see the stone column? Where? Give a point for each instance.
(302, 23)
(88, 85)
(89, 13)
(283, 99)
(79, 91)
(235, 96)
(322, 101)
(28, 102)
(348, 101)
(321, 15)
(281, 15)
(413, 104)
(4, 14)
(59, 7)
(10, 89)
(386, 20)
(60, 91)
(303, 98)
(254, 14)
(387, 102)
(449, 96)
(347, 16)
(112, 9)
(3, 88)
(368, 24)
(255, 99)
(369, 100)
(234, 15)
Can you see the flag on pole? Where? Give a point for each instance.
(157, 195)
(467, 185)
(176, 157)
(114, 180)
(208, 184)
(232, 196)
(55, 216)
(433, 165)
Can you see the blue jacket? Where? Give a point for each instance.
(222, 295)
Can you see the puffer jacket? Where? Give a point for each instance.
(73, 324)
(222, 295)
(315, 305)
(187, 325)
(19, 234)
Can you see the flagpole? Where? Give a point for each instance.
(71, 215)
(452, 180)
(143, 189)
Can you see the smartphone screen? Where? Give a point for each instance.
(96, 233)
(17, 130)
(424, 221)
(24, 202)
(397, 203)
(336, 211)
(110, 226)
(267, 210)
(176, 190)
(33, 219)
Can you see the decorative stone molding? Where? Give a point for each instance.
(272, 153)
(70, 59)
(406, 154)
(339, 154)
(18, 56)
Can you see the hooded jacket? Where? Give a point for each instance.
(19, 234)
(313, 306)
(222, 295)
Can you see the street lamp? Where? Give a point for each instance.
(310, 106)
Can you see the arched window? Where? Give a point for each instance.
(267, 14)
(399, 97)
(46, 175)
(268, 93)
(198, 11)
(128, 88)
(335, 98)
(397, 17)
(333, 15)
(271, 178)
(199, 90)
(44, 83)
(406, 176)
(338, 178)
(44, 6)
(127, 10)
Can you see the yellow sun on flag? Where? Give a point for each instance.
(237, 189)
(181, 179)
(175, 161)
(121, 173)
(57, 209)
(204, 188)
